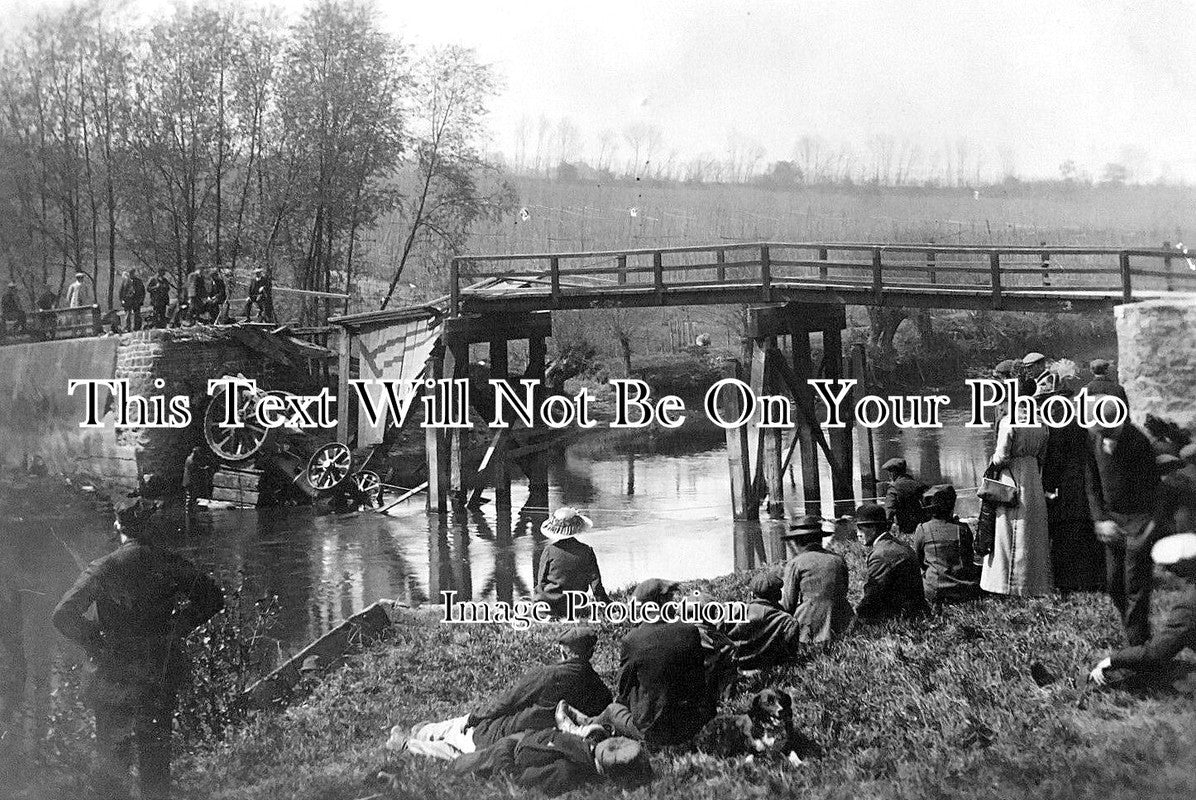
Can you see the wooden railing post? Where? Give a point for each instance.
(1127, 290)
(1045, 257)
(96, 326)
(658, 275)
(878, 290)
(931, 274)
(621, 261)
(720, 257)
(454, 288)
(765, 274)
(994, 272)
(822, 256)
(554, 276)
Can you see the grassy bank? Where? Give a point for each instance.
(945, 708)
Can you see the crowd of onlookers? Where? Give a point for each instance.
(1065, 509)
(202, 297)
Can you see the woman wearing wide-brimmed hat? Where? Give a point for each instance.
(567, 564)
(815, 583)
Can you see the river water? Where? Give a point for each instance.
(659, 511)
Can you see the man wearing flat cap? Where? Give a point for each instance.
(893, 585)
(814, 583)
(1035, 367)
(1103, 383)
(1154, 658)
(528, 705)
(903, 500)
(770, 636)
(662, 674)
(138, 660)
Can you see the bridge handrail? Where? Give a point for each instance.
(871, 272)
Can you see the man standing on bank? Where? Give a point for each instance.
(132, 296)
(147, 601)
(903, 501)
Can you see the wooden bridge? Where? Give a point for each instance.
(796, 295)
(1056, 279)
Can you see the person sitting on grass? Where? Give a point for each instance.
(567, 564)
(903, 501)
(555, 762)
(528, 705)
(720, 653)
(814, 583)
(943, 546)
(893, 586)
(769, 636)
(1148, 663)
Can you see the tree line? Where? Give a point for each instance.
(218, 137)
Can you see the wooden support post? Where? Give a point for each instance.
(994, 272)
(822, 256)
(931, 274)
(454, 287)
(1045, 260)
(436, 448)
(621, 262)
(765, 274)
(720, 258)
(658, 276)
(743, 501)
(456, 364)
(554, 278)
(1127, 289)
(773, 445)
(878, 288)
(500, 468)
(803, 369)
(97, 324)
(867, 448)
(535, 466)
(1167, 268)
(344, 363)
(840, 438)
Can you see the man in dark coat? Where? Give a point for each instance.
(567, 564)
(261, 295)
(1122, 483)
(528, 705)
(198, 472)
(770, 636)
(1103, 383)
(1077, 556)
(1176, 554)
(158, 289)
(893, 586)
(943, 546)
(10, 308)
(555, 762)
(903, 500)
(136, 648)
(217, 296)
(132, 297)
(814, 584)
(195, 294)
(662, 676)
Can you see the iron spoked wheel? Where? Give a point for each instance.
(233, 444)
(369, 483)
(328, 466)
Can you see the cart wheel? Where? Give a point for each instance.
(233, 444)
(328, 466)
(369, 484)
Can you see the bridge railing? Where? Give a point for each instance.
(996, 271)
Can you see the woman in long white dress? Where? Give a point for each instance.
(1020, 562)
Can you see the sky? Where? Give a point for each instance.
(1028, 85)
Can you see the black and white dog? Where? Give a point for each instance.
(766, 731)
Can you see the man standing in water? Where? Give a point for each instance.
(147, 601)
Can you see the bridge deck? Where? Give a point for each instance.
(932, 276)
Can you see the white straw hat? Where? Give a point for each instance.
(566, 521)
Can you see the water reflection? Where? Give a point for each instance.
(662, 515)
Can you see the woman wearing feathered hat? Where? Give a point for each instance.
(567, 564)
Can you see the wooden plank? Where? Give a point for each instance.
(765, 275)
(500, 468)
(408, 494)
(1127, 288)
(994, 269)
(877, 278)
(343, 368)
